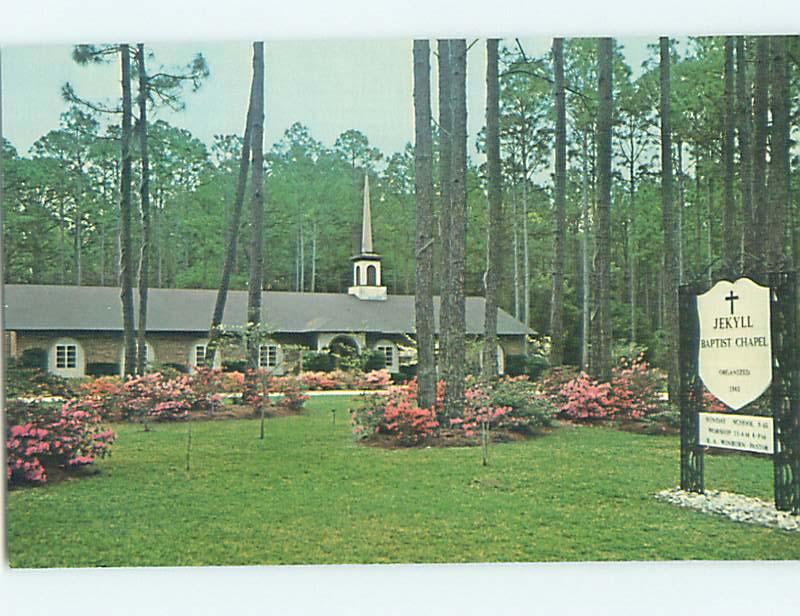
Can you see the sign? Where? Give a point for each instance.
(743, 432)
(735, 354)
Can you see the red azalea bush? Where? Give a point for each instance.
(39, 437)
(152, 397)
(395, 413)
(107, 391)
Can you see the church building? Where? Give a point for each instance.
(77, 331)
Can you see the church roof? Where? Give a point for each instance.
(56, 307)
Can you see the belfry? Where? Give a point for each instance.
(367, 264)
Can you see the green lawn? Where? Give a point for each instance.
(309, 494)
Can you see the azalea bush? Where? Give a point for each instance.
(375, 379)
(152, 397)
(41, 437)
(259, 384)
(319, 380)
(634, 392)
(107, 392)
(397, 414)
(508, 404)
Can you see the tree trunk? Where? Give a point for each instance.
(126, 260)
(515, 251)
(256, 247)
(314, 258)
(730, 251)
(744, 122)
(144, 258)
(671, 274)
(62, 242)
(559, 218)
(760, 127)
(632, 239)
(601, 356)
(495, 196)
(585, 285)
(778, 188)
(423, 188)
(454, 396)
(233, 232)
(445, 173)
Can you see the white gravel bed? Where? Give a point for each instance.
(737, 507)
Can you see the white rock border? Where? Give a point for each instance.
(737, 507)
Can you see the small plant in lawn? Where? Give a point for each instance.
(45, 436)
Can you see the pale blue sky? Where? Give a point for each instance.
(330, 85)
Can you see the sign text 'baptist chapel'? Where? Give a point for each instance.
(735, 355)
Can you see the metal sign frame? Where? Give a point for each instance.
(783, 392)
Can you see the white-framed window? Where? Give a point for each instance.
(200, 354)
(388, 354)
(268, 356)
(149, 355)
(66, 356)
(197, 355)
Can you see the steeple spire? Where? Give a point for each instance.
(366, 221)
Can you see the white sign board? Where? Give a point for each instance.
(744, 432)
(735, 350)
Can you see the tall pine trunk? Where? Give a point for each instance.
(126, 260)
(559, 215)
(760, 128)
(778, 188)
(744, 120)
(670, 225)
(454, 396)
(731, 247)
(601, 328)
(445, 172)
(423, 187)
(495, 195)
(144, 257)
(256, 246)
(233, 233)
(585, 264)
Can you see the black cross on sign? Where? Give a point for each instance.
(731, 298)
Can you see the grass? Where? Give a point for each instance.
(309, 494)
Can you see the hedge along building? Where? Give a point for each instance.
(74, 331)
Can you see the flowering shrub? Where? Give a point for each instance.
(553, 380)
(207, 385)
(292, 391)
(39, 437)
(259, 384)
(375, 379)
(319, 380)
(509, 403)
(395, 413)
(106, 391)
(633, 393)
(151, 397)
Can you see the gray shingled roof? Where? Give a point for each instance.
(55, 307)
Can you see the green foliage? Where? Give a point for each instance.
(531, 366)
(23, 382)
(318, 361)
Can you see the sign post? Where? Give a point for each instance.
(739, 339)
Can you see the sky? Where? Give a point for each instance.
(328, 85)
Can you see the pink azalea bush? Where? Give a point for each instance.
(633, 393)
(152, 397)
(375, 379)
(509, 404)
(259, 384)
(319, 380)
(42, 437)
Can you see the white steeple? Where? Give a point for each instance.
(367, 264)
(366, 221)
